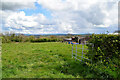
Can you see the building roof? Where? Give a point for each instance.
(81, 37)
(68, 39)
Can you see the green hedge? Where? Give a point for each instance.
(21, 38)
(105, 46)
(45, 40)
(105, 53)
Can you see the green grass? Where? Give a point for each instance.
(42, 60)
(0, 59)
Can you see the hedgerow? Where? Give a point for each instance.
(21, 38)
(105, 54)
(45, 40)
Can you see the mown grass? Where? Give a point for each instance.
(42, 60)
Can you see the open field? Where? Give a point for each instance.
(43, 60)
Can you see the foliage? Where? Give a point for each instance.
(45, 40)
(105, 53)
(53, 59)
(22, 38)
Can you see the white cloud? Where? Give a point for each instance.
(82, 15)
(68, 16)
(18, 22)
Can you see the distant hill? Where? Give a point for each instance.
(53, 34)
(47, 34)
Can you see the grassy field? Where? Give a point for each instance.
(42, 60)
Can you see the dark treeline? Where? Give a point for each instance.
(7, 38)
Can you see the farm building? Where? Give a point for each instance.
(68, 39)
(83, 39)
(72, 39)
(79, 40)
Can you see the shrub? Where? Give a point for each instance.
(105, 46)
(43, 40)
(105, 52)
(7, 38)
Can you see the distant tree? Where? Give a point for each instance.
(69, 34)
(52, 36)
(107, 32)
(31, 38)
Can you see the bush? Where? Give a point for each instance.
(21, 38)
(44, 40)
(5, 39)
(105, 53)
(105, 47)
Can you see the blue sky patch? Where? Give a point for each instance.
(39, 9)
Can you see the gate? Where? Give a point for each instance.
(80, 51)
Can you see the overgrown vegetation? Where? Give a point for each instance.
(22, 38)
(105, 54)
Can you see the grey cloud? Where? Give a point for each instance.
(94, 15)
(12, 6)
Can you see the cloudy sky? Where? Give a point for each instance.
(58, 16)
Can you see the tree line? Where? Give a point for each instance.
(7, 38)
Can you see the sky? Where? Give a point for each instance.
(58, 16)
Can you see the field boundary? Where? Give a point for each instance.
(83, 49)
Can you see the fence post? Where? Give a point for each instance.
(82, 52)
(76, 52)
(72, 50)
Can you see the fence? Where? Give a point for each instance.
(82, 52)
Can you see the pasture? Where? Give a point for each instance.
(42, 60)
